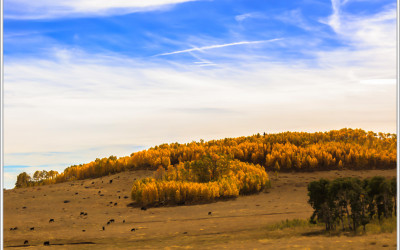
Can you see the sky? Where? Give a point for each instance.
(87, 79)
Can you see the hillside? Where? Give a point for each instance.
(289, 151)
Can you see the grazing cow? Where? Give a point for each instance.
(115, 204)
(76, 193)
(123, 221)
(51, 220)
(104, 229)
(209, 213)
(82, 213)
(126, 197)
(133, 229)
(46, 243)
(110, 181)
(85, 214)
(112, 220)
(26, 242)
(66, 201)
(32, 228)
(23, 207)
(83, 230)
(108, 223)
(143, 208)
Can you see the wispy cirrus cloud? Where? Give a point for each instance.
(363, 31)
(245, 16)
(218, 46)
(49, 9)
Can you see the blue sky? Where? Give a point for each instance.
(87, 79)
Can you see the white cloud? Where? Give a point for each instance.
(76, 104)
(242, 17)
(377, 30)
(296, 18)
(43, 9)
(60, 105)
(379, 81)
(334, 19)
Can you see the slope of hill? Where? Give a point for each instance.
(290, 151)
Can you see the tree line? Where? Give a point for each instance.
(351, 202)
(288, 151)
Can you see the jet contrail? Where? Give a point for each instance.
(218, 46)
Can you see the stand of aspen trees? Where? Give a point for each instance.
(181, 167)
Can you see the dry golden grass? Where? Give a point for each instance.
(233, 224)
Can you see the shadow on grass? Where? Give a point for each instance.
(174, 204)
(302, 227)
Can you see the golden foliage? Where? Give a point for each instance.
(177, 185)
(288, 151)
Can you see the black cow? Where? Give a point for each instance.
(123, 221)
(46, 243)
(209, 213)
(133, 229)
(32, 228)
(51, 220)
(26, 242)
(115, 204)
(112, 220)
(110, 181)
(104, 229)
(82, 213)
(143, 208)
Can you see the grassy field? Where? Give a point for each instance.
(248, 222)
